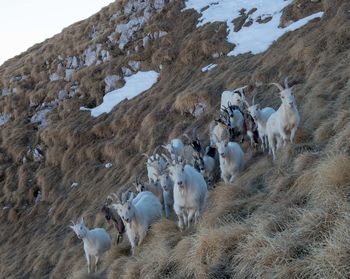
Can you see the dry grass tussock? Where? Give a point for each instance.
(282, 219)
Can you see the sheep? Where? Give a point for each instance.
(284, 121)
(112, 215)
(96, 241)
(231, 160)
(138, 214)
(261, 116)
(167, 185)
(207, 164)
(235, 97)
(190, 192)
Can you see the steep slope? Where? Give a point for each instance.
(283, 219)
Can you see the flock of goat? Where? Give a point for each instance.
(179, 180)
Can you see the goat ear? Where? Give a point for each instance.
(72, 227)
(81, 220)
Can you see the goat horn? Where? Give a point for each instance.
(139, 176)
(254, 99)
(286, 83)
(277, 85)
(116, 197)
(72, 222)
(155, 150)
(194, 132)
(242, 92)
(166, 158)
(146, 155)
(187, 136)
(124, 197)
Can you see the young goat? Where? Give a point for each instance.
(231, 160)
(219, 131)
(167, 185)
(153, 187)
(207, 164)
(190, 193)
(284, 121)
(175, 147)
(261, 116)
(96, 241)
(112, 215)
(138, 214)
(155, 163)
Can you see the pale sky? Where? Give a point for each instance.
(24, 23)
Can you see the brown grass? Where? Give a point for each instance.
(282, 219)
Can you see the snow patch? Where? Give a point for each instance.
(74, 185)
(5, 92)
(68, 74)
(4, 118)
(134, 85)
(257, 37)
(208, 68)
(54, 77)
(108, 165)
(62, 94)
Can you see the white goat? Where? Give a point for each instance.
(235, 97)
(175, 147)
(219, 131)
(261, 116)
(155, 163)
(284, 121)
(190, 193)
(96, 241)
(167, 185)
(138, 214)
(231, 160)
(153, 187)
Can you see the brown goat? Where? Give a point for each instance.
(111, 214)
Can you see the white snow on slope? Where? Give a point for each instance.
(134, 85)
(257, 37)
(208, 68)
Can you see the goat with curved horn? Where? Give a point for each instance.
(146, 155)
(169, 161)
(113, 197)
(188, 137)
(286, 83)
(277, 85)
(156, 149)
(194, 132)
(253, 101)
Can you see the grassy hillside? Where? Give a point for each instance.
(283, 219)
